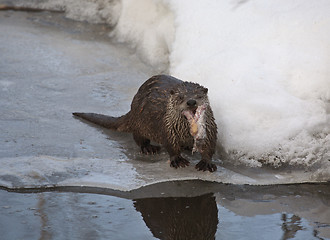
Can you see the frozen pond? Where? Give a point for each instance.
(70, 175)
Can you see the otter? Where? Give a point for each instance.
(173, 113)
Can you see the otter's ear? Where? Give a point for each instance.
(172, 92)
(205, 90)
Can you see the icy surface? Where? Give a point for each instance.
(52, 66)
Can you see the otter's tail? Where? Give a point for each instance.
(114, 123)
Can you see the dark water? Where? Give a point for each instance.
(172, 210)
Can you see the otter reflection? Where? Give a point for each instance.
(180, 218)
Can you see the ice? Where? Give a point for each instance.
(124, 174)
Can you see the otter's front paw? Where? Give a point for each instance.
(205, 166)
(179, 161)
(150, 149)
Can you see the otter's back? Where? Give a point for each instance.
(149, 106)
(153, 95)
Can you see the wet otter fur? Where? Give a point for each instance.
(159, 113)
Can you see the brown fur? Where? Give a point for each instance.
(156, 115)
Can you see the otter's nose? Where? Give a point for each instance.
(191, 102)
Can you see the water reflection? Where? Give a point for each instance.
(290, 226)
(42, 213)
(180, 218)
(172, 210)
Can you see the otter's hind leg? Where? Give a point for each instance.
(145, 145)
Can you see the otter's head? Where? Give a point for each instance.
(186, 109)
(187, 97)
